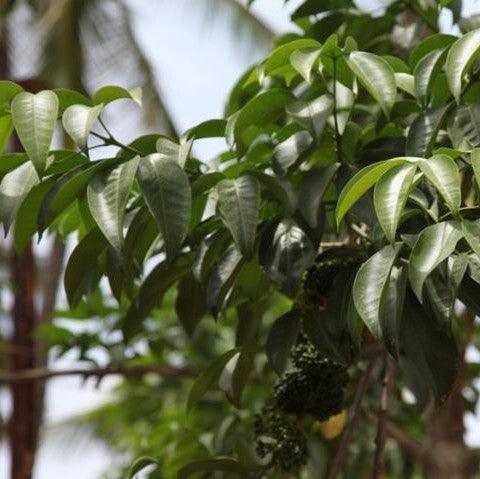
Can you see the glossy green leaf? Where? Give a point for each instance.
(363, 181)
(464, 126)
(238, 206)
(424, 130)
(168, 195)
(150, 295)
(460, 56)
(287, 153)
(434, 244)
(471, 232)
(81, 265)
(208, 377)
(107, 94)
(370, 287)
(425, 73)
(107, 195)
(78, 121)
(260, 110)
(390, 197)
(68, 98)
(475, 159)
(34, 118)
(14, 187)
(139, 465)
(406, 82)
(429, 44)
(443, 173)
(377, 76)
(6, 130)
(280, 57)
(304, 60)
(281, 339)
(312, 115)
(67, 189)
(8, 90)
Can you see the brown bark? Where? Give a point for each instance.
(24, 423)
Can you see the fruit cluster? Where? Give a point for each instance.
(315, 386)
(278, 435)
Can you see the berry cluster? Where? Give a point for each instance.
(315, 386)
(320, 278)
(278, 436)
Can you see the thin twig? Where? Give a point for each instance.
(381, 438)
(112, 141)
(42, 374)
(342, 451)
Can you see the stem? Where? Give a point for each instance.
(42, 374)
(342, 451)
(381, 438)
(338, 137)
(114, 142)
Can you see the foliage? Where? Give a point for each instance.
(329, 115)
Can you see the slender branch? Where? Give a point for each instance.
(338, 137)
(112, 141)
(42, 374)
(342, 451)
(381, 438)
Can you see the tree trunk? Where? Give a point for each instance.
(24, 424)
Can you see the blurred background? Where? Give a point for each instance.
(186, 54)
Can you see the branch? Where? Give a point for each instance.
(42, 374)
(381, 438)
(342, 451)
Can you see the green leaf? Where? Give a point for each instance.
(14, 187)
(286, 252)
(238, 206)
(406, 82)
(464, 126)
(426, 71)
(225, 464)
(10, 161)
(363, 181)
(429, 357)
(429, 44)
(312, 115)
(168, 195)
(303, 61)
(140, 464)
(107, 195)
(170, 150)
(460, 56)
(78, 121)
(471, 232)
(475, 159)
(68, 98)
(371, 285)
(26, 220)
(434, 244)
(107, 94)
(151, 292)
(281, 338)
(81, 265)
(34, 118)
(207, 129)
(423, 131)
(312, 190)
(8, 90)
(391, 194)
(287, 153)
(443, 173)
(262, 109)
(67, 189)
(6, 130)
(280, 57)
(208, 377)
(377, 76)
(190, 304)
(221, 278)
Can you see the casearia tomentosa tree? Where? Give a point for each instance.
(287, 208)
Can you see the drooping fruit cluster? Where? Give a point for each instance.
(279, 436)
(319, 278)
(315, 386)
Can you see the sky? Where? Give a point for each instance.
(196, 61)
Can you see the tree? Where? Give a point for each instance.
(373, 294)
